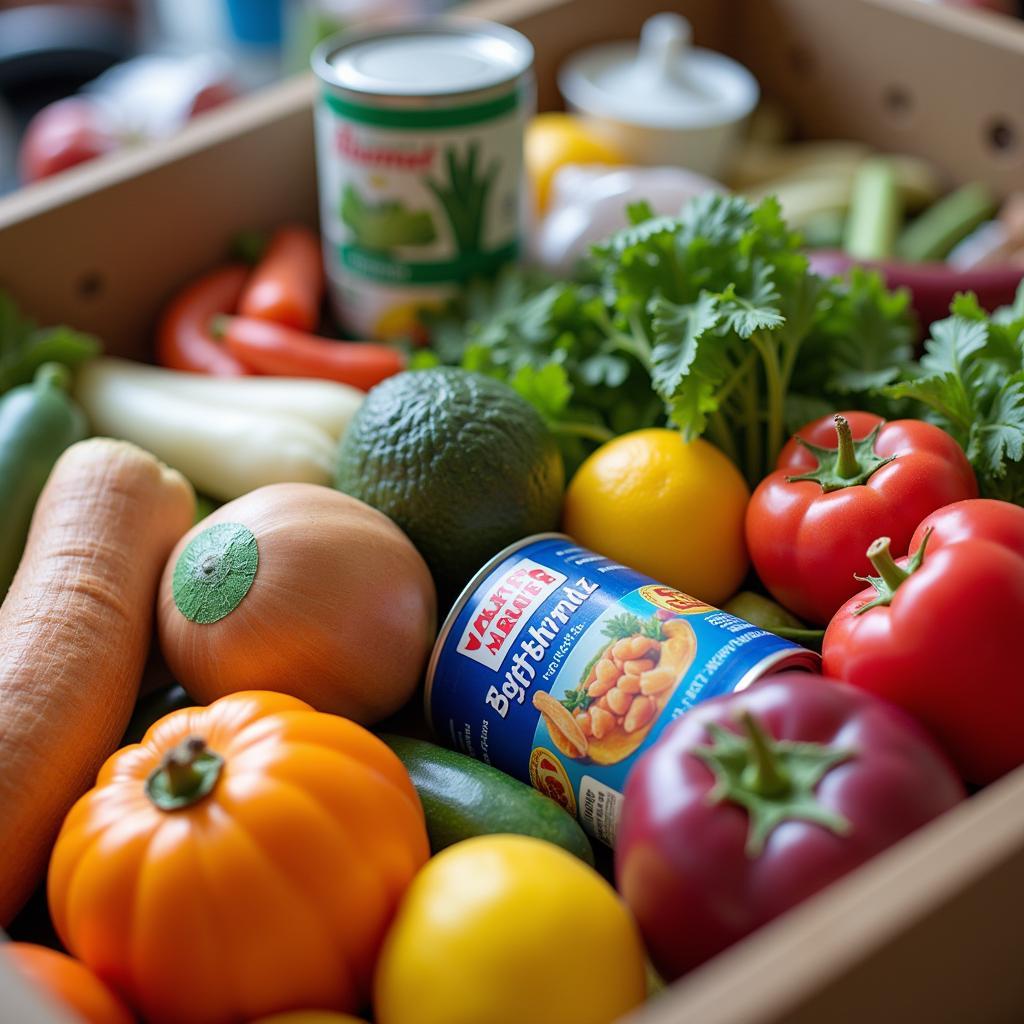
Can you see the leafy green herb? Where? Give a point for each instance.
(627, 624)
(711, 321)
(25, 346)
(971, 379)
(621, 626)
(577, 700)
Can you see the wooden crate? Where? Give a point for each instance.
(932, 929)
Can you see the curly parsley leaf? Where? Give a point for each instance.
(971, 382)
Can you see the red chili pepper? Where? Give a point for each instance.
(288, 283)
(937, 633)
(271, 348)
(184, 340)
(752, 802)
(841, 477)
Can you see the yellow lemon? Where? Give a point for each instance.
(671, 509)
(553, 140)
(504, 929)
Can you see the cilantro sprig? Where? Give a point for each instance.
(711, 321)
(971, 382)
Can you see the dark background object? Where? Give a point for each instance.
(50, 50)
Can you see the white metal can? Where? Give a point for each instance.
(419, 133)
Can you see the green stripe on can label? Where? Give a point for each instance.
(379, 266)
(414, 119)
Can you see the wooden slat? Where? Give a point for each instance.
(903, 75)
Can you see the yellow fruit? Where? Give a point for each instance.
(553, 140)
(669, 508)
(504, 929)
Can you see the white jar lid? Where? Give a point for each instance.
(663, 82)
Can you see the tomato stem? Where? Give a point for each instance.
(885, 565)
(186, 774)
(890, 575)
(764, 775)
(847, 464)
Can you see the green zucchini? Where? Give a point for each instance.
(463, 798)
(37, 422)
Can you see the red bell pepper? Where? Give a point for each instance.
(271, 348)
(752, 802)
(184, 340)
(809, 522)
(288, 283)
(937, 633)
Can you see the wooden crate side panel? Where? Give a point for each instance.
(104, 247)
(901, 74)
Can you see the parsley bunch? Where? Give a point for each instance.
(700, 321)
(971, 380)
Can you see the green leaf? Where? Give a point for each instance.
(576, 700)
(621, 626)
(547, 389)
(677, 334)
(639, 211)
(24, 346)
(952, 342)
(999, 438)
(942, 392)
(753, 311)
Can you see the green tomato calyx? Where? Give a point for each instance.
(774, 780)
(848, 464)
(890, 575)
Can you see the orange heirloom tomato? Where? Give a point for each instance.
(67, 982)
(245, 859)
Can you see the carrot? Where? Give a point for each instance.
(74, 634)
(184, 341)
(288, 283)
(271, 348)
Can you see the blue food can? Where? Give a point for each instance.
(560, 667)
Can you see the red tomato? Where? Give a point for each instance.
(68, 132)
(943, 640)
(810, 522)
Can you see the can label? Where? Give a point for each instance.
(561, 667)
(414, 201)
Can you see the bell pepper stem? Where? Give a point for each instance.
(881, 558)
(185, 775)
(764, 775)
(179, 766)
(847, 465)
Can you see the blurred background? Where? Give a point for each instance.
(80, 79)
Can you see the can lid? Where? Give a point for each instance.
(443, 57)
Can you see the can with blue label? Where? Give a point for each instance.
(560, 667)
